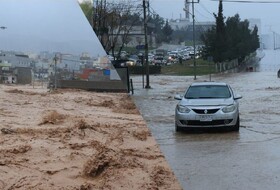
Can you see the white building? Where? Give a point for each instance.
(186, 22)
(15, 59)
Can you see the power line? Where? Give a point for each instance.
(245, 1)
(201, 14)
(201, 4)
(154, 13)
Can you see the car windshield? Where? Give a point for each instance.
(208, 91)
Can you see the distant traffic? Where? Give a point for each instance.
(160, 57)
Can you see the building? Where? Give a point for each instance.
(135, 37)
(15, 67)
(186, 23)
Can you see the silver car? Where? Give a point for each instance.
(209, 105)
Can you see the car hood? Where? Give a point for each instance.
(207, 102)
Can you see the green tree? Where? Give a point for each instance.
(112, 22)
(233, 30)
(229, 40)
(209, 40)
(255, 40)
(158, 24)
(185, 34)
(219, 53)
(166, 32)
(86, 7)
(241, 40)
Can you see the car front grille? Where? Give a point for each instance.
(205, 111)
(202, 123)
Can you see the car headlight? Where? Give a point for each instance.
(229, 108)
(130, 63)
(183, 109)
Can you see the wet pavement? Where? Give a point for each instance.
(215, 160)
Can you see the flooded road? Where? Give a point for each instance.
(249, 159)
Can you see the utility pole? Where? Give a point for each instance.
(55, 72)
(274, 45)
(145, 5)
(93, 13)
(194, 48)
(275, 40)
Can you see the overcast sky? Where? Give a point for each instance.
(59, 25)
(40, 25)
(269, 13)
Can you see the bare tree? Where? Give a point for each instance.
(113, 22)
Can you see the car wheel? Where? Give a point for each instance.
(237, 125)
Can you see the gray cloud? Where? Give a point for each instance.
(52, 25)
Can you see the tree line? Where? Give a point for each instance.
(230, 39)
(113, 22)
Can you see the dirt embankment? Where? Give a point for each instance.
(74, 139)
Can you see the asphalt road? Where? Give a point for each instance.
(248, 159)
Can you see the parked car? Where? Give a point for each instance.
(123, 63)
(172, 59)
(134, 60)
(186, 56)
(110, 57)
(208, 105)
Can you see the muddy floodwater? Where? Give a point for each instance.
(248, 159)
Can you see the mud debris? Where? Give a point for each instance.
(52, 117)
(74, 139)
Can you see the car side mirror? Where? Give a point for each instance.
(237, 96)
(178, 97)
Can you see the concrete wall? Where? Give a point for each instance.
(106, 86)
(99, 85)
(124, 75)
(24, 75)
